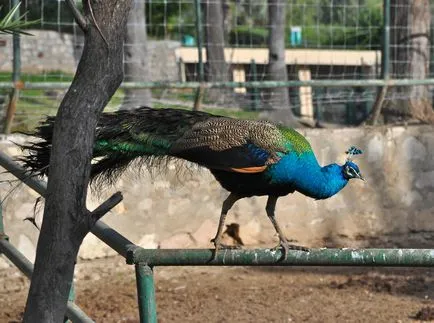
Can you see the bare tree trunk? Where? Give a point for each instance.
(410, 55)
(136, 62)
(278, 98)
(66, 219)
(216, 69)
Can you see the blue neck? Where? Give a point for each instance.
(307, 176)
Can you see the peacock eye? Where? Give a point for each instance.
(351, 172)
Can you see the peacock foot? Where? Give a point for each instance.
(218, 246)
(286, 246)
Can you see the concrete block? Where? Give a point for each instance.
(425, 180)
(375, 148)
(250, 232)
(206, 231)
(177, 241)
(27, 247)
(93, 248)
(148, 241)
(24, 210)
(413, 149)
(4, 262)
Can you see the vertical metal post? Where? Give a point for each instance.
(199, 36)
(255, 92)
(16, 75)
(201, 74)
(385, 65)
(71, 298)
(146, 293)
(318, 107)
(385, 55)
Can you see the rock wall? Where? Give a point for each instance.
(394, 207)
(45, 51)
(50, 51)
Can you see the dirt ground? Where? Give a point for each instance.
(106, 292)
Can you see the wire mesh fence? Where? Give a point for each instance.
(323, 40)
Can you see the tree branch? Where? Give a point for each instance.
(105, 207)
(79, 18)
(96, 24)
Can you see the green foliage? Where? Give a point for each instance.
(324, 36)
(321, 36)
(246, 36)
(325, 24)
(170, 20)
(13, 22)
(250, 13)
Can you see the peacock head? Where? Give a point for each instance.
(350, 169)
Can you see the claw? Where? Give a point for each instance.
(287, 246)
(218, 246)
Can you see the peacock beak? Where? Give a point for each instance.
(359, 176)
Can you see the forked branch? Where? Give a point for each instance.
(105, 207)
(78, 16)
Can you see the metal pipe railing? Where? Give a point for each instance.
(268, 257)
(257, 84)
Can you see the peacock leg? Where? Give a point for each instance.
(286, 246)
(227, 205)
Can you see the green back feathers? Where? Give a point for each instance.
(294, 141)
(144, 130)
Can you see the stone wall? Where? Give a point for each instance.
(50, 51)
(45, 51)
(394, 207)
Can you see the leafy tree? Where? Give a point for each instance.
(10, 23)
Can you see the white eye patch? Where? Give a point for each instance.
(350, 171)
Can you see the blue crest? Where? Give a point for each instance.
(352, 152)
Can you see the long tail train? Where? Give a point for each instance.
(121, 137)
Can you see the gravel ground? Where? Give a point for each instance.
(106, 292)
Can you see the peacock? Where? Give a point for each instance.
(248, 158)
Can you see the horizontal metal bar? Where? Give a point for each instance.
(257, 84)
(114, 239)
(19, 172)
(73, 312)
(266, 257)
(111, 237)
(17, 258)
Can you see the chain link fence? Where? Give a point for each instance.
(334, 52)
